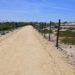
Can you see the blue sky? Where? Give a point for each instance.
(37, 10)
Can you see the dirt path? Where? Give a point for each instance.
(26, 53)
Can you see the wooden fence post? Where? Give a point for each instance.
(44, 29)
(57, 40)
(50, 31)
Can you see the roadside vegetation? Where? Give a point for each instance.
(68, 40)
(46, 31)
(68, 37)
(67, 33)
(6, 27)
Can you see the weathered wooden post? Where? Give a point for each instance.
(44, 29)
(16, 25)
(2, 28)
(39, 28)
(50, 31)
(57, 40)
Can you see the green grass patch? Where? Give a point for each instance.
(68, 40)
(46, 31)
(67, 33)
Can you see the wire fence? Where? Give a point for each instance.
(61, 34)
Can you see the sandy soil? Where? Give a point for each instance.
(68, 50)
(27, 53)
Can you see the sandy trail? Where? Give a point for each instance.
(26, 53)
